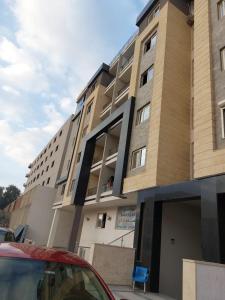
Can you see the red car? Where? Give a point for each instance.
(33, 273)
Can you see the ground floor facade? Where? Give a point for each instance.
(184, 220)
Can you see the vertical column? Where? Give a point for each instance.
(150, 240)
(210, 221)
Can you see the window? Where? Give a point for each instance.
(60, 133)
(84, 131)
(78, 157)
(52, 163)
(221, 9)
(101, 220)
(45, 150)
(43, 183)
(42, 172)
(42, 163)
(46, 158)
(56, 148)
(222, 57)
(89, 108)
(222, 109)
(47, 168)
(48, 180)
(143, 114)
(138, 158)
(150, 44)
(51, 153)
(147, 76)
(63, 189)
(54, 140)
(49, 146)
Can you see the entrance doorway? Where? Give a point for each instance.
(180, 238)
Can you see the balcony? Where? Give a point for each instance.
(106, 190)
(126, 65)
(111, 159)
(122, 95)
(96, 166)
(91, 193)
(109, 89)
(106, 110)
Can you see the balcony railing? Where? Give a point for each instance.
(106, 108)
(110, 85)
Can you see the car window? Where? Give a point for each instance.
(37, 280)
(9, 237)
(2, 236)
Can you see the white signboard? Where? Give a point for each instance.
(126, 216)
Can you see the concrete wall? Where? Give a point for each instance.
(181, 238)
(203, 280)
(107, 261)
(91, 234)
(40, 215)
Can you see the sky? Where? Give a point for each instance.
(48, 52)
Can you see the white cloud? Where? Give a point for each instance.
(55, 118)
(67, 105)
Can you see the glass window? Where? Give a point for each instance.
(48, 180)
(143, 114)
(147, 76)
(222, 55)
(221, 9)
(28, 279)
(138, 158)
(101, 220)
(222, 109)
(78, 157)
(89, 108)
(150, 44)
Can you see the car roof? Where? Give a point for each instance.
(25, 251)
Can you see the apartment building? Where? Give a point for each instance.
(144, 166)
(44, 185)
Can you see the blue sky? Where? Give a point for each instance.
(48, 52)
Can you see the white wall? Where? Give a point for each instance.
(181, 222)
(90, 234)
(40, 215)
(203, 280)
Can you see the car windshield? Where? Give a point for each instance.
(40, 280)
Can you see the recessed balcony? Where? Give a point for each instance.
(111, 160)
(91, 193)
(126, 65)
(106, 110)
(122, 95)
(109, 89)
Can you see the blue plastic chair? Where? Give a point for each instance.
(141, 275)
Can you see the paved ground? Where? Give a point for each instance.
(126, 292)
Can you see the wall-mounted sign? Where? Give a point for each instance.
(126, 216)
